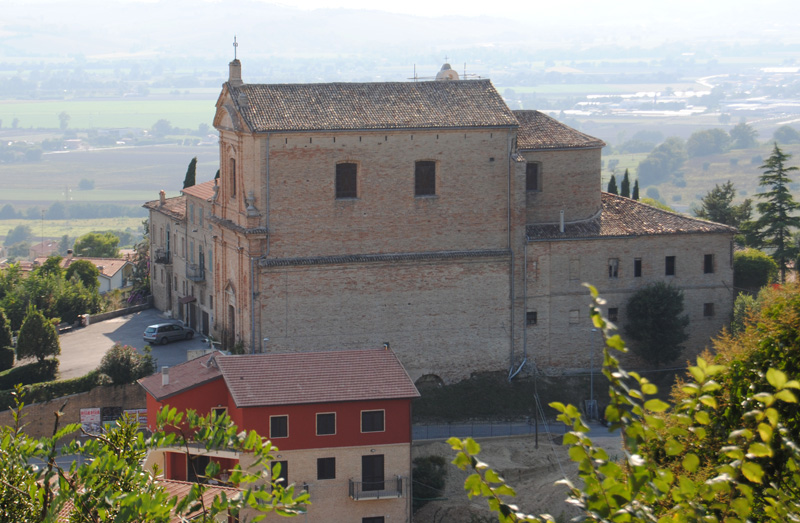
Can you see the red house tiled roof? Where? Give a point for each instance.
(174, 207)
(385, 105)
(315, 377)
(204, 190)
(538, 131)
(622, 216)
(182, 377)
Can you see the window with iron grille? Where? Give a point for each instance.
(346, 180)
(425, 178)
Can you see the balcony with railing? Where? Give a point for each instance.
(196, 272)
(391, 488)
(162, 256)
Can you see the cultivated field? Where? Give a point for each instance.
(51, 229)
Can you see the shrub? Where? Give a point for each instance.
(37, 337)
(5, 331)
(122, 364)
(31, 373)
(752, 269)
(6, 358)
(429, 477)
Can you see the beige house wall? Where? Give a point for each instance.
(160, 273)
(556, 271)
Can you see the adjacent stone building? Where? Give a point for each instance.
(430, 217)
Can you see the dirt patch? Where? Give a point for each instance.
(530, 471)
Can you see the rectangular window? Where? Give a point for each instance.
(669, 266)
(637, 268)
(532, 177)
(283, 475)
(531, 318)
(200, 217)
(210, 301)
(191, 213)
(372, 472)
(232, 177)
(279, 426)
(326, 424)
(191, 251)
(373, 519)
(372, 421)
(196, 469)
(708, 310)
(219, 411)
(708, 263)
(575, 316)
(574, 269)
(613, 267)
(346, 180)
(176, 283)
(613, 313)
(326, 468)
(425, 178)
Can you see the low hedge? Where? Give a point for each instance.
(27, 374)
(41, 392)
(6, 358)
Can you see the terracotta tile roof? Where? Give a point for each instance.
(182, 377)
(538, 131)
(204, 190)
(388, 105)
(315, 377)
(108, 266)
(174, 207)
(625, 217)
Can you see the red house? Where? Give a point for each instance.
(341, 419)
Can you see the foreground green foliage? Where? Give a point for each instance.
(681, 465)
(111, 485)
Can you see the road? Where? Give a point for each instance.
(83, 348)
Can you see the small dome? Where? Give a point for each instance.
(447, 73)
(446, 67)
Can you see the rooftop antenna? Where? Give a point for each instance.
(235, 45)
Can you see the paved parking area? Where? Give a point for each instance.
(83, 348)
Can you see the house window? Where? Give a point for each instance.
(574, 269)
(176, 283)
(373, 519)
(191, 213)
(326, 468)
(708, 310)
(531, 318)
(200, 216)
(282, 475)
(613, 267)
(372, 421)
(532, 180)
(326, 424)
(574, 316)
(196, 469)
(637, 268)
(372, 472)
(708, 263)
(279, 426)
(210, 301)
(613, 313)
(669, 266)
(218, 412)
(346, 180)
(425, 178)
(232, 177)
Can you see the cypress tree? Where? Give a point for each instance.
(216, 176)
(635, 194)
(625, 187)
(191, 174)
(612, 185)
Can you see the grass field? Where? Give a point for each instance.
(74, 228)
(116, 113)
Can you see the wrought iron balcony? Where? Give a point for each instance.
(162, 256)
(391, 488)
(196, 272)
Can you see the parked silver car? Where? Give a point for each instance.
(163, 333)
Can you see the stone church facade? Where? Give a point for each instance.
(430, 217)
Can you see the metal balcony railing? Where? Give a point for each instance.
(388, 489)
(195, 272)
(162, 256)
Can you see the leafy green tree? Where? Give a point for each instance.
(64, 245)
(635, 194)
(51, 266)
(753, 269)
(656, 323)
(612, 185)
(777, 218)
(717, 206)
(664, 161)
(744, 136)
(191, 174)
(786, 134)
(141, 262)
(5, 330)
(86, 272)
(161, 128)
(625, 187)
(20, 233)
(706, 142)
(37, 337)
(97, 245)
(658, 204)
(112, 485)
(123, 364)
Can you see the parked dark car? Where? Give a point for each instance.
(163, 333)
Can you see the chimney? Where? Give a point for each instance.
(162, 197)
(235, 73)
(164, 376)
(69, 254)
